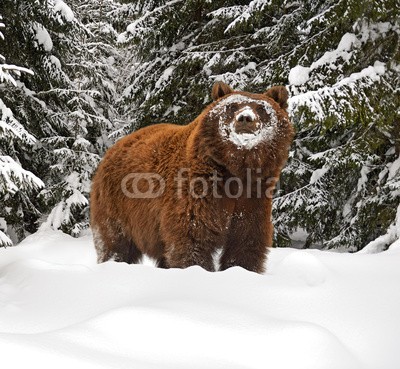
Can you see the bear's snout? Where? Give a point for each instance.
(246, 121)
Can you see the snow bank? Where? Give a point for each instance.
(313, 309)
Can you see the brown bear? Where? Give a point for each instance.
(181, 193)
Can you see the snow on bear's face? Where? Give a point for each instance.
(245, 121)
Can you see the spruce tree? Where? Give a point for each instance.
(66, 104)
(18, 186)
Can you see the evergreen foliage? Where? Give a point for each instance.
(339, 59)
(66, 106)
(17, 185)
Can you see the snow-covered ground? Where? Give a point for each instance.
(313, 309)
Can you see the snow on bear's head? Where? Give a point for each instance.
(241, 130)
(246, 119)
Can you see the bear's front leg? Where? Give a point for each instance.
(186, 253)
(249, 237)
(192, 236)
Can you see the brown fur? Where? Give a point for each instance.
(185, 231)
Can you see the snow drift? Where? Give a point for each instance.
(312, 309)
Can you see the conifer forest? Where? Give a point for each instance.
(75, 76)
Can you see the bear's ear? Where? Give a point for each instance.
(220, 89)
(279, 94)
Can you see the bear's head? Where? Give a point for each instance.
(241, 130)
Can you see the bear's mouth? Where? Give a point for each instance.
(246, 137)
(246, 121)
(246, 128)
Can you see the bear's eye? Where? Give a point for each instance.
(260, 110)
(232, 108)
(262, 113)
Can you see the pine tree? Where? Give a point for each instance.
(17, 185)
(172, 60)
(87, 115)
(338, 185)
(66, 104)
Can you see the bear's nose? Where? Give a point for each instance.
(245, 121)
(246, 116)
